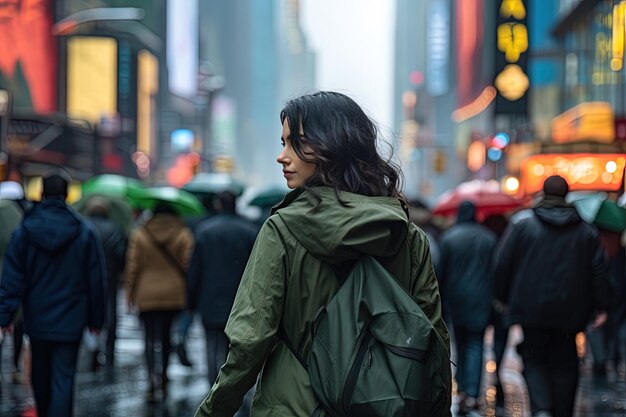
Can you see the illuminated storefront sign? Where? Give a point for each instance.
(511, 80)
(591, 122)
(593, 172)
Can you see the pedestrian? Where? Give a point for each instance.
(223, 245)
(345, 203)
(466, 278)
(552, 278)
(183, 321)
(114, 244)
(11, 216)
(55, 269)
(497, 223)
(604, 342)
(156, 265)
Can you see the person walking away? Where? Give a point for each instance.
(55, 268)
(466, 278)
(10, 217)
(182, 322)
(223, 245)
(499, 321)
(156, 263)
(114, 243)
(345, 204)
(604, 341)
(552, 277)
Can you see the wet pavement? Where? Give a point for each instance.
(121, 393)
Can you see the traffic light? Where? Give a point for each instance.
(497, 145)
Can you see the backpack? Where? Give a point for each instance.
(374, 352)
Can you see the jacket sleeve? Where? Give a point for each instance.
(14, 280)
(132, 264)
(194, 278)
(504, 263)
(426, 293)
(96, 274)
(601, 282)
(426, 288)
(252, 326)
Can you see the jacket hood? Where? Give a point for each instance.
(164, 227)
(466, 212)
(51, 225)
(334, 232)
(555, 211)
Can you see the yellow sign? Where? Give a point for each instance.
(592, 121)
(617, 44)
(512, 40)
(513, 8)
(512, 83)
(91, 78)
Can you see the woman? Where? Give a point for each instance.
(157, 258)
(345, 203)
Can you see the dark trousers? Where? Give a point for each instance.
(550, 370)
(157, 326)
(469, 347)
(110, 324)
(500, 336)
(53, 369)
(217, 349)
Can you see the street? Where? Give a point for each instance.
(122, 393)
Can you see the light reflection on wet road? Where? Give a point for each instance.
(122, 392)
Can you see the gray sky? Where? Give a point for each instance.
(353, 40)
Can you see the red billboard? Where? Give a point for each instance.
(28, 56)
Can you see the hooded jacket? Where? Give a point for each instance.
(289, 276)
(465, 271)
(223, 245)
(551, 270)
(55, 268)
(153, 281)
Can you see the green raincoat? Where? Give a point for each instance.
(288, 277)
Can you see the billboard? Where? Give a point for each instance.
(438, 47)
(182, 47)
(592, 172)
(469, 38)
(28, 54)
(91, 78)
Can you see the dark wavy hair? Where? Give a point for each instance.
(342, 141)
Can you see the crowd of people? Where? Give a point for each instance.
(258, 293)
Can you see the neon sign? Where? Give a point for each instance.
(511, 80)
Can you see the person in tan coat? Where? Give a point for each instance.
(156, 261)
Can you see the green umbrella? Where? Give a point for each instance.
(186, 204)
(213, 183)
(112, 185)
(120, 211)
(605, 214)
(269, 197)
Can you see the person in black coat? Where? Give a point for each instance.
(552, 277)
(223, 244)
(466, 278)
(114, 243)
(54, 268)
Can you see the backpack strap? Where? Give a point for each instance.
(283, 335)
